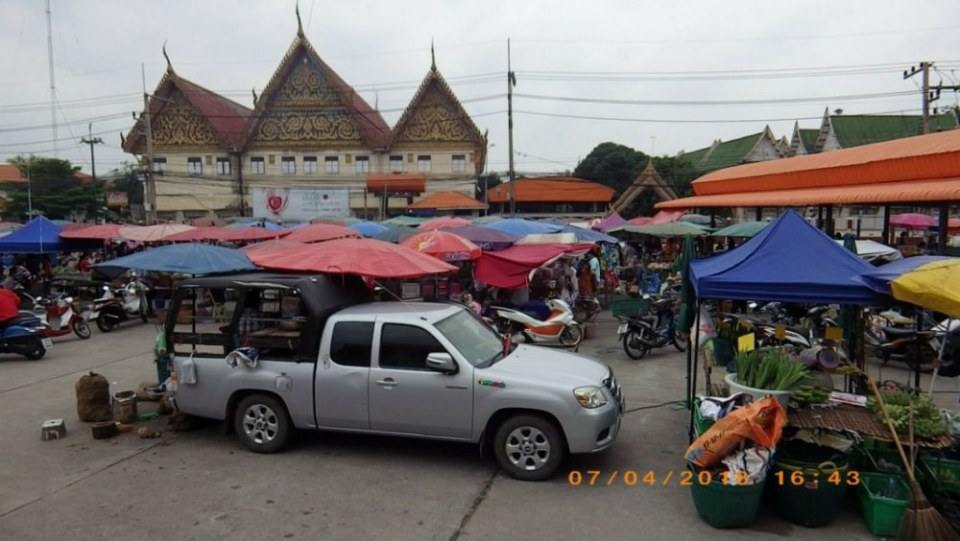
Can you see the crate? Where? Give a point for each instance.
(939, 475)
(882, 514)
(629, 307)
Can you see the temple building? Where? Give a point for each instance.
(310, 147)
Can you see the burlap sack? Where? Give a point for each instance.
(93, 398)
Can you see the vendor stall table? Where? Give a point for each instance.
(860, 420)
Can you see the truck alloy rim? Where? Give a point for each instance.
(260, 423)
(528, 448)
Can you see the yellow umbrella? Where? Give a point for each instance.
(934, 286)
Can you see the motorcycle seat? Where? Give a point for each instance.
(899, 332)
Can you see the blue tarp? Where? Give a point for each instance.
(789, 261)
(184, 258)
(368, 229)
(879, 278)
(519, 227)
(38, 236)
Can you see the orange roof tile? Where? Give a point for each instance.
(552, 190)
(447, 201)
(10, 173)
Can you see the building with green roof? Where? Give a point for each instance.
(756, 147)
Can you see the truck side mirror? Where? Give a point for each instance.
(441, 362)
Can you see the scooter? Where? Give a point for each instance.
(22, 340)
(114, 307)
(640, 334)
(559, 328)
(54, 317)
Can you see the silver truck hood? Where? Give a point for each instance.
(550, 364)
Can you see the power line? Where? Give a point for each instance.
(720, 102)
(685, 121)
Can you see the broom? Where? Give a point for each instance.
(920, 522)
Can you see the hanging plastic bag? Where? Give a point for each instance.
(761, 423)
(749, 466)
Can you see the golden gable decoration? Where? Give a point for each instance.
(306, 86)
(325, 126)
(435, 115)
(179, 123)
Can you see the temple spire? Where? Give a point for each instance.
(167, 57)
(433, 57)
(299, 22)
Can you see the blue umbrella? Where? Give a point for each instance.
(879, 278)
(368, 229)
(269, 226)
(184, 258)
(395, 233)
(485, 237)
(519, 227)
(587, 235)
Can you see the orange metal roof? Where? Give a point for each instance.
(920, 158)
(552, 190)
(396, 183)
(937, 190)
(447, 201)
(10, 173)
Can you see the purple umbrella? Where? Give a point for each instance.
(486, 238)
(612, 220)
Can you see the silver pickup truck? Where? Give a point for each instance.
(271, 353)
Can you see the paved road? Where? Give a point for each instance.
(202, 485)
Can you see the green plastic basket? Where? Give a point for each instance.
(939, 475)
(700, 425)
(629, 307)
(882, 514)
(726, 506)
(816, 501)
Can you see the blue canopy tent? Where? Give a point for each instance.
(879, 278)
(789, 261)
(518, 227)
(185, 258)
(38, 236)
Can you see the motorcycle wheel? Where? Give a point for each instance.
(105, 324)
(81, 328)
(35, 351)
(680, 341)
(571, 336)
(636, 353)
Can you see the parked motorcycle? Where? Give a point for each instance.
(640, 334)
(116, 306)
(586, 308)
(57, 316)
(22, 340)
(559, 328)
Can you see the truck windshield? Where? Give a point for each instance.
(474, 340)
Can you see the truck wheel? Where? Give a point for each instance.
(529, 448)
(262, 423)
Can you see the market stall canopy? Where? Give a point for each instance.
(547, 238)
(698, 219)
(443, 221)
(93, 232)
(363, 257)
(224, 234)
(640, 220)
(934, 286)
(519, 227)
(396, 183)
(907, 170)
(344, 220)
(321, 233)
(669, 229)
(263, 224)
(666, 216)
(396, 233)
(511, 268)
(412, 221)
(270, 246)
(789, 261)
(188, 258)
(612, 220)
(913, 220)
(879, 278)
(484, 237)
(368, 229)
(152, 233)
(875, 252)
(38, 236)
(588, 235)
(742, 229)
(443, 245)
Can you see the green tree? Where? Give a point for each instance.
(491, 180)
(128, 180)
(54, 189)
(617, 166)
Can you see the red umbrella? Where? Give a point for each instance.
(197, 234)
(364, 257)
(201, 234)
(93, 232)
(322, 232)
(152, 233)
(442, 222)
(270, 247)
(444, 246)
(642, 220)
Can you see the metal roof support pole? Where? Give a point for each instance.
(886, 225)
(942, 231)
(830, 225)
(759, 214)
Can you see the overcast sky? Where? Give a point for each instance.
(600, 50)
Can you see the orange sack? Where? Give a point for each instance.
(760, 422)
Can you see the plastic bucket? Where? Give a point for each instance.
(125, 407)
(726, 506)
(882, 512)
(811, 482)
(782, 396)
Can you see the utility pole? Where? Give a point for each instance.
(511, 82)
(150, 188)
(91, 140)
(53, 82)
(29, 190)
(925, 70)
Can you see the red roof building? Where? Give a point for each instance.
(567, 196)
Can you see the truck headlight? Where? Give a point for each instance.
(590, 396)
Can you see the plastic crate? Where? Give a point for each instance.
(629, 307)
(939, 475)
(727, 506)
(882, 514)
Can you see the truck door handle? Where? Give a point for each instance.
(387, 382)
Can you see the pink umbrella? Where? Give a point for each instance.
(443, 245)
(152, 233)
(93, 232)
(444, 222)
(913, 220)
(364, 257)
(322, 232)
(667, 216)
(271, 247)
(643, 220)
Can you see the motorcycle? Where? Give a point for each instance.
(918, 349)
(53, 317)
(559, 328)
(22, 340)
(114, 307)
(640, 334)
(586, 308)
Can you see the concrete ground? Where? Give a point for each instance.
(203, 485)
